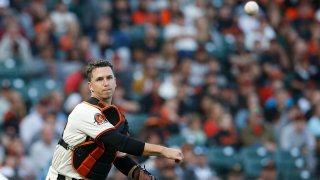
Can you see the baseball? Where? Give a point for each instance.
(251, 8)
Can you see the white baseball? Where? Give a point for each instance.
(251, 8)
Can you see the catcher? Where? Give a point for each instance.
(96, 136)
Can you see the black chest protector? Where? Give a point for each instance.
(91, 159)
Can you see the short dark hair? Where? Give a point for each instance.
(96, 64)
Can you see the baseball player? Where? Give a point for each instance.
(96, 136)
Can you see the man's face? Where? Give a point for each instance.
(299, 125)
(103, 83)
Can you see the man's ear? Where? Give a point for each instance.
(90, 87)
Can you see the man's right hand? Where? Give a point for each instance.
(173, 153)
(158, 150)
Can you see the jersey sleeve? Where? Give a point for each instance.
(90, 121)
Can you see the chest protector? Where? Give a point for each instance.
(91, 159)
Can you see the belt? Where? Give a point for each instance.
(62, 177)
(65, 145)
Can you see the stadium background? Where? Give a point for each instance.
(239, 94)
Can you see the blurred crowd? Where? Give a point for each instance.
(202, 73)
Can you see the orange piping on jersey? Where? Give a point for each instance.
(92, 105)
(102, 102)
(121, 119)
(107, 107)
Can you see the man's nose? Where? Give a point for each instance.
(105, 82)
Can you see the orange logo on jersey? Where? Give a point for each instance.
(100, 119)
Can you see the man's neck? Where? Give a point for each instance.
(106, 101)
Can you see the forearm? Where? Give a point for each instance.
(162, 151)
(153, 150)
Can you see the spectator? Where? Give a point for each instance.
(61, 18)
(296, 135)
(167, 14)
(151, 40)
(84, 47)
(142, 15)
(168, 58)
(275, 58)
(146, 78)
(203, 28)
(41, 150)
(102, 47)
(16, 113)
(257, 132)
(121, 15)
(227, 135)
(34, 121)
(124, 104)
(199, 67)
(76, 97)
(169, 113)
(183, 36)
(194, 11)
(13, 45)
(202, 169)
(17, 164)
(193, 132)
(211, 124)
(186, 97)
(8, 166)
(285, 118)
(259, 39)
(4, 99)
(56, 108)
(313, 124)
(68, 40)
(281, 100)
(73, 80)
(189, 163)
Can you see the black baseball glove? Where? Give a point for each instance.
(141, 173)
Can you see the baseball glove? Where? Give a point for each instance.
(141, 173)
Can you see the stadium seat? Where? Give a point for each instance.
(223, 159)
(254, 159)
(17, 84)
(11, 69)
(298, 175)
(288, 161)
(38, 88)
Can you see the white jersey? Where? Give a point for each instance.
(85, 120)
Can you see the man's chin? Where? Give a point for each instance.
(106, 96)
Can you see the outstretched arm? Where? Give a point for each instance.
(138, 148)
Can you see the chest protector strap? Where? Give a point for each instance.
(91, 159)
